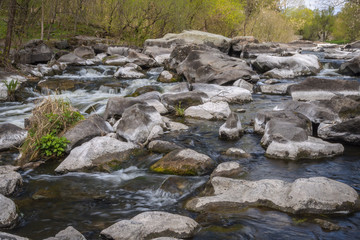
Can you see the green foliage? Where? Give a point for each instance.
(49, 121)
(321, 26)
(179, 111)
(52, 146)
(11, 88)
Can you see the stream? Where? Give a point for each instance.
(90, 202)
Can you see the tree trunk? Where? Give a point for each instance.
(10, 29)
(42, 20)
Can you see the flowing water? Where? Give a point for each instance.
(91, 202)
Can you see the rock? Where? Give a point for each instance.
(121, 56)
(11, 136)
(8, 236)
(150, 225)
(323, 89)
(168, 77)
(302, 44)
(231, 129)
(140, 123)
(157, 105)
(228, 169)
(326, 225)
(184, 162)
(84, 52)
(312, 148)
(33, 52)
(81, 40)
(276, 89)
(280, 73)
(72, 59)
(346, 107)
(183, 99)
(253, 50)
(301, 65)
(174, 126)
(347, 131)
(180, 186)
(351, 67)
(95, 154)
(209, 111)
(203, 66)
(162, 146)
(244, 84)
(8, 212)
(69, 233)
(86, 130)
(230, 94)
(145, 89)
(100, 48)
(9, 180)
(45, 70)
(237, 152)
(129, 71)
(238, 43)
(62, 44)
(317, 195)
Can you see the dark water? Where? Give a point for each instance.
(91, 202)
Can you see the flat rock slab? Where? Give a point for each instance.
(95, 154)
(8, 212)
(9, 180)
(317, 195)
(209, 111)
(149, 225)
(11, 136)
(184, 162)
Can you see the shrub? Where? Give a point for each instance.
(179, 111)
(11, 88)
(49, 120)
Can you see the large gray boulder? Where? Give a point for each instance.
(8, 236)
(149, 225)
(84, 52)
(323, 89)
(184, 162)
(347, 131)
(129, 71)
(73, 59)
(99, 153)
(183, 99)
(86, 130)
(9, 180)
(231, 129)
(11, 136)
(122, 55)
(140, 123)
(238, 44)
(8, 212)
(351, 67)
(209, 111)
(253, 49)
(317, 195)
(162, 146)
(33, 52)
(214, 67)
(69, 233)
(275, 89)
(299, 64)
(228, 169)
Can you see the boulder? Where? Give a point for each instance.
(231, 129)
(317, 195)
(140, 123)
(129, 71)
(100, 48)
(347, 131)
(168, 77)
(326, 225)
(86, 130)
(33, 52)
(183, 99)
(9, 180)
(323, 89)
(228, 169)
(275, 89)
(157, 105)
(62, 44)
(159, 146)
(300, 65)
(72, 59)
(11, 136)
(98, 153)
(8, 212)
(121, 56)
(237, 152)
(184, 162)
(238, 43)
(209, 111)
(253, 50)
(312, 148)
(145, 89)
(241, 83)
(149, 225)
(345, 107)
(203, 66)
(69, 233)
(8, 236)
(174, 126)
(84, 52)
(280, 73)
(351, 67)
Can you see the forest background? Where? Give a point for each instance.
(130, 22)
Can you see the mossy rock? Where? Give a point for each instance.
(145, 89)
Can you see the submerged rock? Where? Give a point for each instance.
(209, 111)
(8, 212)
(11, 136)
(149, 225)
(184, 162)
(231, 129)
(9, 180)
(98, 153)
(317, 195)
(69, 233)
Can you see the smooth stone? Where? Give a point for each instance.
(11, 136)
(69, 233)
(231, 129)
(241, 83)
(9, 180)
(150, 225)
(347, 131)
(129, 71)
(228, 169)
(8, 212)
(280, 73)
(237, 152)
(276, 89)
(168, 77)
(84, 52)
(162, 146)
(8, 236)
(184, 162)
(209, 111)
(183, 99)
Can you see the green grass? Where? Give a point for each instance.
(339, 41)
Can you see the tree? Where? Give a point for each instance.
(10, 29)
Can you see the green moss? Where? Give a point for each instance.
(185, 171)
